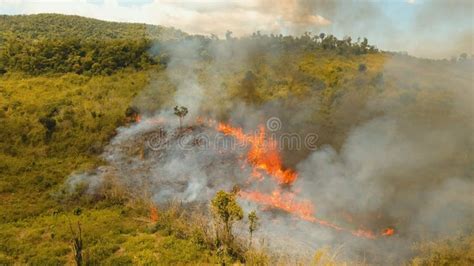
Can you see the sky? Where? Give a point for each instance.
(423, 28)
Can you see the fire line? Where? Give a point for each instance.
(264, 156)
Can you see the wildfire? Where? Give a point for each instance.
(153, 213)
(303, 209)
(264, 157)
(284, 201)
(388, 231)
(263, 154)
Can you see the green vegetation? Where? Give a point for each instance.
(226, 211)
(453, 251)
(49, 43)
(36, 156)
(74, 55)
(67, 83)
(88, 46)
(56, 26)
(180, 112)
(253, 224)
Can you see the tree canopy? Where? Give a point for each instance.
(73, 44)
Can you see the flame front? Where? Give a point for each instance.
(264, 157)
(263, 154)
(282, 200)
(388, 232)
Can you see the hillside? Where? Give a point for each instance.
(57, 26)
(71, 86)
(51, 43)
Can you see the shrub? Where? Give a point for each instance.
(362, 67)
(49, 124)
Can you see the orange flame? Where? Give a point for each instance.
(303, 209)
(138, 118)
(263, 154)
(284, 201)
(388, 232)
(153, 213)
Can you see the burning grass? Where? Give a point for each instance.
(263, 156)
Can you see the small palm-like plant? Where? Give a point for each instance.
(180, 112)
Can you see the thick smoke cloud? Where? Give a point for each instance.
(410, 167)
(425, 29)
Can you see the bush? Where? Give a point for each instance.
(49, 124)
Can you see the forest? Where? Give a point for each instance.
(63, 49)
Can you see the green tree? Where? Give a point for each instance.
(227, 211)
(180, 112)
(253, 224)
(364, 45)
